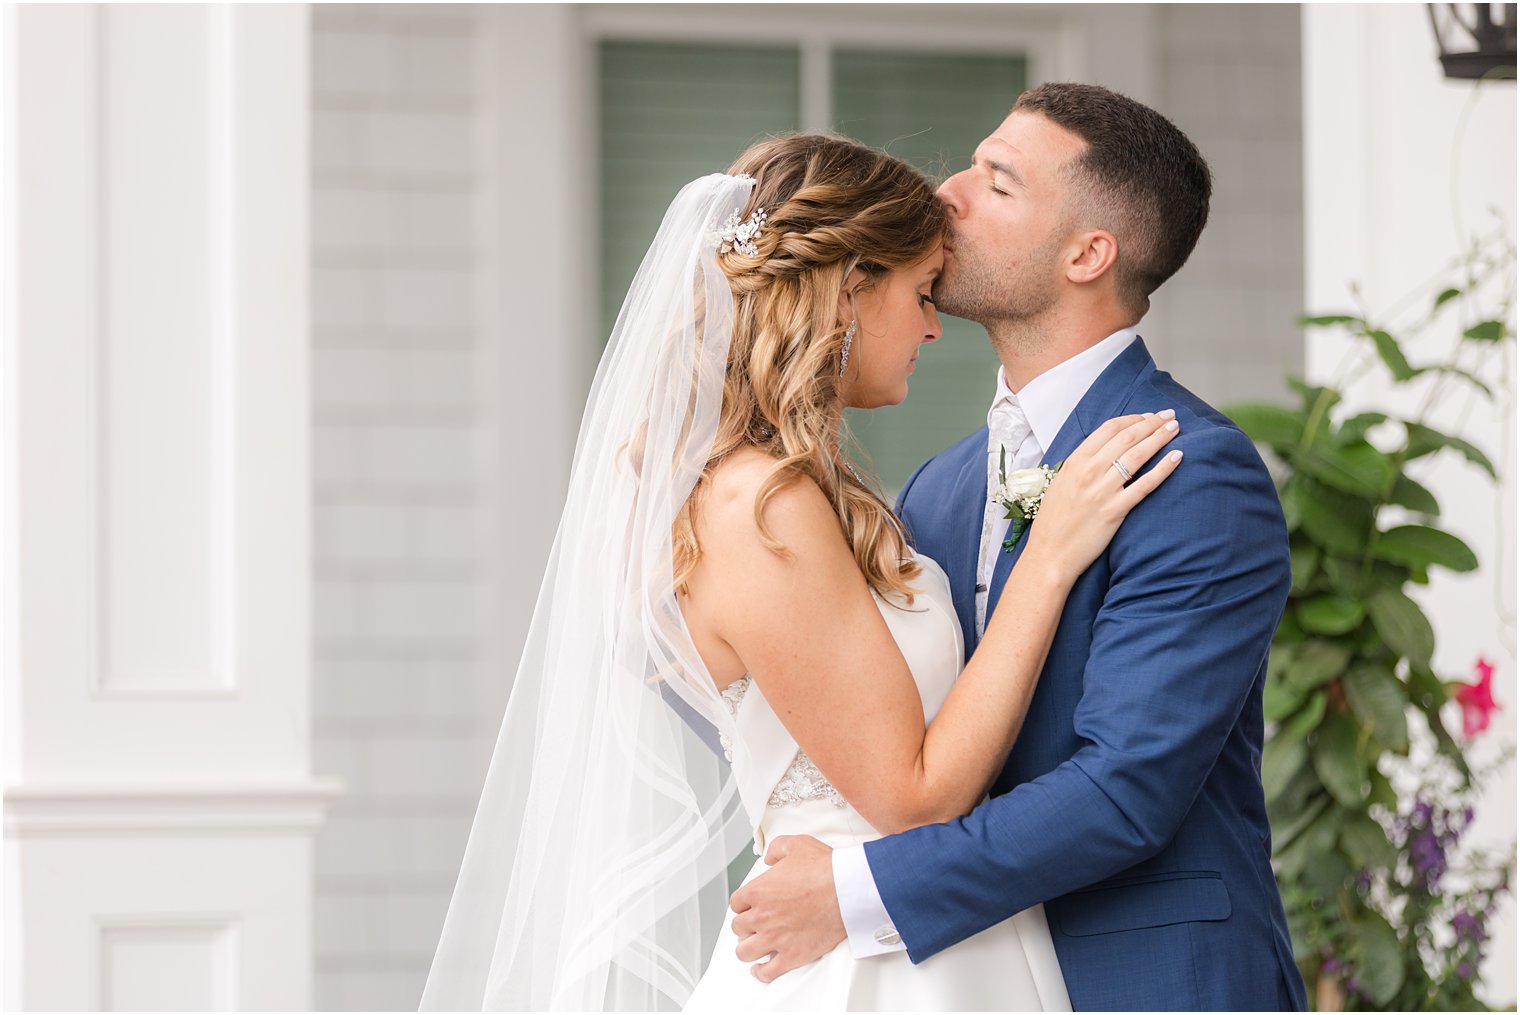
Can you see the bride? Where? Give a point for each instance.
(734, 639)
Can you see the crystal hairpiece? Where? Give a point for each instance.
(740, 236)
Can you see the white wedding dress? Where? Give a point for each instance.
(1010, 966)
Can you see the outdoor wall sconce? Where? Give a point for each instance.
(1476, 40)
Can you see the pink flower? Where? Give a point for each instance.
(1477, 700)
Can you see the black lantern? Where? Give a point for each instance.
(1476, 40)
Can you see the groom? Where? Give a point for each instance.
(1131, 805)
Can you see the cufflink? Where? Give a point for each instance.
(887, 935)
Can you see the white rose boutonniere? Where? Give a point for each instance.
(1021, 492)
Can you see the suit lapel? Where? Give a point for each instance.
(967, 501)
(1108, 394)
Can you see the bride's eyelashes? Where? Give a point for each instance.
(926, 298)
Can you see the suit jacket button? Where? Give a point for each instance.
(887, 936)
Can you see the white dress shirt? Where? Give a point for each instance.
(1044, 404)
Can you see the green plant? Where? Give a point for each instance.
(1351, 663)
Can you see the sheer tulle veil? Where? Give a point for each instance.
(594, 875)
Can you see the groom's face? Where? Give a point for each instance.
(1008, 222)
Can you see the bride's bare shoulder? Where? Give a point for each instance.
(796, 509)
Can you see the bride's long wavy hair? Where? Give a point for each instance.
(831, 204)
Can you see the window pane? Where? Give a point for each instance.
(671, 113)
(931, 110)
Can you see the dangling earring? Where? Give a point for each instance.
(844, 356)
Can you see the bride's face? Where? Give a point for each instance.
(897, 317)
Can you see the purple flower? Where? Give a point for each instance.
(1465, 971)
(1422, 812)
(1353, 986)
(1332, 966)
(1468, 927)
(1428, 856)
(1364, 882)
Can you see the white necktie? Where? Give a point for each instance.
(1007, 431)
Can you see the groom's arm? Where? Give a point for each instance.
(1199, 577)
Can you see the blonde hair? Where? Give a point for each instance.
(831, 204)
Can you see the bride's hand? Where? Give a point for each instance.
(1090, 497)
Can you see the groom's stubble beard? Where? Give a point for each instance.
(1007, 295)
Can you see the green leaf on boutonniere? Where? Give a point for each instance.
(1016, 529)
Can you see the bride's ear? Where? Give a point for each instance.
(847, 292)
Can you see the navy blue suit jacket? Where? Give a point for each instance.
(1131, 804)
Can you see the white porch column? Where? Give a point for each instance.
(159, 805)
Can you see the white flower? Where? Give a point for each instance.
(1026, 484)
(1021, 493)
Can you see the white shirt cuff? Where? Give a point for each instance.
(866, 922)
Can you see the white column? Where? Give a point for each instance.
(158, 797)
(1402, 168)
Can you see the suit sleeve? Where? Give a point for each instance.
(1199, 576)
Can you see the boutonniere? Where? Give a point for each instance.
(1021, 492)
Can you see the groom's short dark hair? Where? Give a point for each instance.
(1139, 177)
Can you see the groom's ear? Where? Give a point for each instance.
(1096, 254)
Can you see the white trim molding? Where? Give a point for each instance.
(116, 809)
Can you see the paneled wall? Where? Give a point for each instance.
(158, 802)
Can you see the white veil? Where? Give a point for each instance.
(594, 876)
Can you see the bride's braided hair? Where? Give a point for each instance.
(830, 204)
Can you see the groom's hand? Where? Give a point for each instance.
(790, 912)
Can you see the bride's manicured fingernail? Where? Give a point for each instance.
(1172, 425)
(1167, 413)
(1176, 456)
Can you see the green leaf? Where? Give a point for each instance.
(1330, 614)
(1288, 631)
(1427, 692)
(1272, 425)
(1280, 699)
(1376, 954)
(1420, 546)
(1304, 561)
(1407, 493)
(1382, 793)
(1281, 759)
(1346, 576)
(1446, 296)
(1339, 763)
(1355, 428)
(1328, 320)
(1403, 625)
(1303, 817)
(1338, 522)
(1391, 354)
(1423, 440)
(1378, 700)
(1485, 331)
(1308, 846)
(1366, 843)
(1317, 662)
(1307, 718)
(1357, 468)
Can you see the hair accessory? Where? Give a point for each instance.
(740, 236)
(849, 336)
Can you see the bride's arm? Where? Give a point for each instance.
(807, 630)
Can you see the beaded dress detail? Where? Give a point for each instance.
(802, 780)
